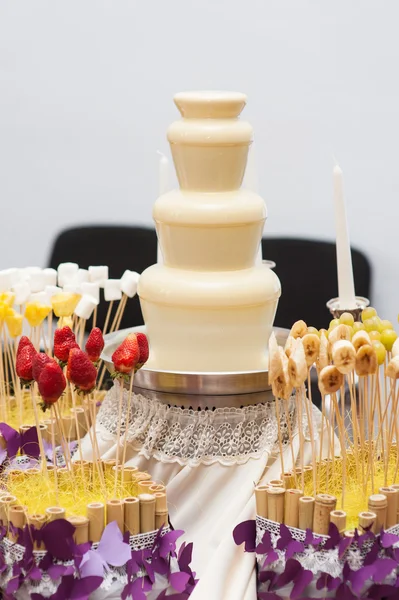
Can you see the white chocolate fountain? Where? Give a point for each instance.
(208, 308)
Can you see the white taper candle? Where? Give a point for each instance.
(346, 287)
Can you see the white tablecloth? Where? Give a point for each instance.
(207, 496)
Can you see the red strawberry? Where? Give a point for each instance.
(144, 350)
(95, 344)
(126, 356)
(24, 362)
(39, 361)
(24, 341)
(52, 383)
(64, 340)
(81, 371)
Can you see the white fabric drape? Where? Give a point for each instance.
(206, 499)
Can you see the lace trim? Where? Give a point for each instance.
(225, 435)
(13, 553)
(315, 559)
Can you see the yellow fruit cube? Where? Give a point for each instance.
(7, 298)
(14, 324)
(64, 304)
(5, 311)
(35, 313)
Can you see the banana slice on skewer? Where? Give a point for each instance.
(395, 347)
(344, 356)
(289, 345)
(299, 329)
(311, 345)
(323, 358)
(341, 332)
(297, 365)
(281, 386)
(366, 361)
(392, 369)
(361, 338)
(330, 380)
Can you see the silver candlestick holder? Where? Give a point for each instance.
(334, 307)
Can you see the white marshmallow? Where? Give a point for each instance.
(52, 290)
(85, 307)
(30, 270)
(37, 282)
(5, 281)
(14, 275)
(129, 283)
(81, 276)
(98, 275)
(92, 290)
(112, 290)
(50, 277)
(66, 272)
(72, 288)
(22, 292)
(40, 297)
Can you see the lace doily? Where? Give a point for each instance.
(225, 435)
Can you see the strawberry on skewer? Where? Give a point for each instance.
(24, 361)
(40, 360)
(95, 344)
(52, 384)
(143, 348)
(126, 356)
(81, 371)
(64, 341)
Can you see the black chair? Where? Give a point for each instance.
(307, 270)
(119, 247)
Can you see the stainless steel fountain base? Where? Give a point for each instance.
(197, 390)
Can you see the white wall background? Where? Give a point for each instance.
(86, 92)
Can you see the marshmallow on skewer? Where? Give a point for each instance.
(40, 298)
(91, 289)
(66, 272)
(5, 281)
(50, 277)
(98, 274)
(112, 290)
(52, 290)
(85, 307)
(37, 282)
(73, 288)
(29, 270)
(129, 283)
(81, 276)
(14, 275)
(22, 292)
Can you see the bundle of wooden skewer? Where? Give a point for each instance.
(354, 472)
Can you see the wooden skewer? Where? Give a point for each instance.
(280, 441)
(129, 401)
(43, 460)
(108, 316)
(118, 436)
